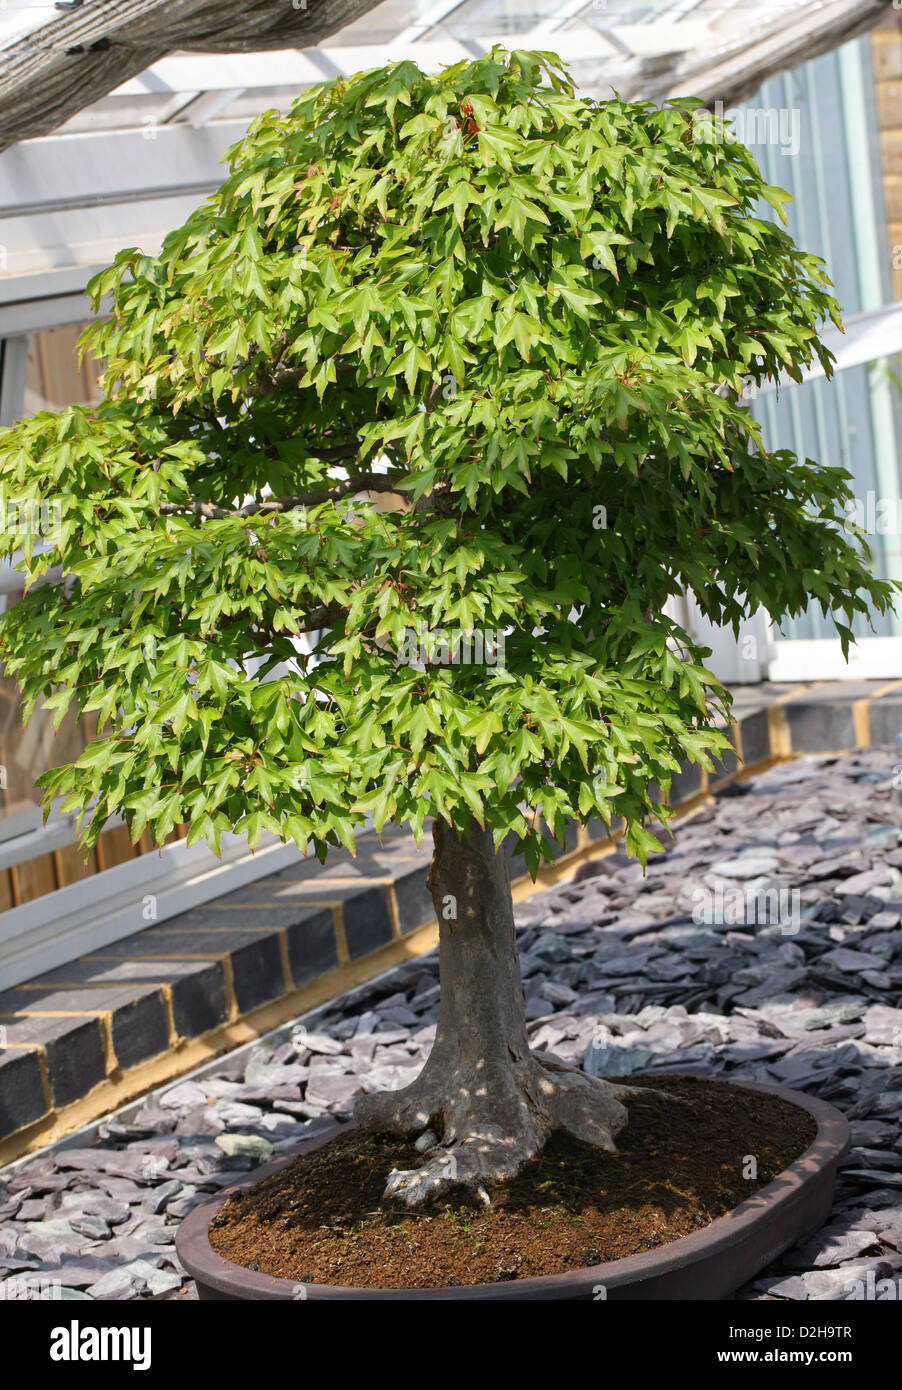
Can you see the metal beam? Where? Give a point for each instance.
(738, 63)
(30, 315)
(207, 106)
(53, 284)
(868, 337)
(432, 18)
(300, 68)
(95, 169)
(13, 370)
(77, 199)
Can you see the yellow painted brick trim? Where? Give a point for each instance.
(54, 1013)
(777, 723)
(885, 690)
(164, 955)
(195, 931)
(105, 1020)
(45, 1077)
(104, 1023)
(286, 964)
(393, 912)
(228, 981)
(861, 713)
(736, 731)
(171, 1031)
(341, 941)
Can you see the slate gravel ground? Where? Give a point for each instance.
(765, 945)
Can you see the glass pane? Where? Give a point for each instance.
(817, 133)
(26, 753)
(53, 380)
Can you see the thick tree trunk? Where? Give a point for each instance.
(485, 1103)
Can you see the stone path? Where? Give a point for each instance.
(765, 945)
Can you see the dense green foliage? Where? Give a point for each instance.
(530, 314)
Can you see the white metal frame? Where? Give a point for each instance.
(870, 658)
(103, 908)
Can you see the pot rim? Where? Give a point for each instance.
(778, 1198)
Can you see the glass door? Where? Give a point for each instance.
(821, 132)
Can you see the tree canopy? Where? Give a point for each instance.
(529, 315)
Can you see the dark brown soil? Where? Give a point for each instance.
(680, 1166)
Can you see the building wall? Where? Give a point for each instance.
(54, 378)
(886, 46)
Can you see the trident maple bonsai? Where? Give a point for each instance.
(529, 317)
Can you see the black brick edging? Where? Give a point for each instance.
(88, 1035)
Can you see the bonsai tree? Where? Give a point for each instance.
(528, 317)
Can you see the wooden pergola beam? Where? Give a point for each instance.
(49, 74)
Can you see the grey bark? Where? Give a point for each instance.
(77, 58)
(486, 1101)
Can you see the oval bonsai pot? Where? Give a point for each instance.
(708, 1264)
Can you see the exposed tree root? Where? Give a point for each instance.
(492, 1122)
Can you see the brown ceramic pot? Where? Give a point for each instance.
(709, 1264)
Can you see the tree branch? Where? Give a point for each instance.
(266, 383)
(318, 618)
(357, 482)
